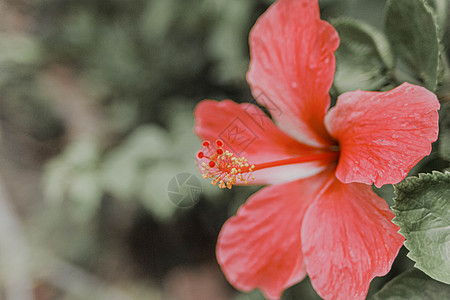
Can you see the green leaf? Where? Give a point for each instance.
(363, 58)
(157, 18)
(73, 175)
(422, 210)
(440, 8)
(227, 44)
(153, 190)
(413, 285)
(444, 131)
(19, 49)
(412, 29)
(123, 166)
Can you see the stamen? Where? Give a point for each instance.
(330, 155)
(225, 168)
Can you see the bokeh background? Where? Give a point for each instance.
(96, 101)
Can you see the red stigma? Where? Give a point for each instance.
(223, 167)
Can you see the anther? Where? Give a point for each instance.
(222, 166)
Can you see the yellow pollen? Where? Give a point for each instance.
(224, 167)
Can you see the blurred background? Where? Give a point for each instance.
(96, 102)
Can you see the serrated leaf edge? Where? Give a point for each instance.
(402, 190)
(406, 187)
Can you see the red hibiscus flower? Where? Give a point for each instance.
(319, 215)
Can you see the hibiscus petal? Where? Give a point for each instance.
(383, 135)
(292, 67)
(348, 239)
(260, 247)
(247, 131)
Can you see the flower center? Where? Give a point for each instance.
(225, 168)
